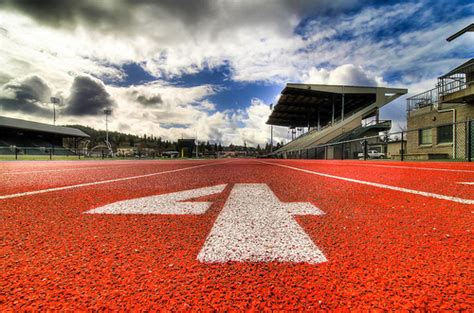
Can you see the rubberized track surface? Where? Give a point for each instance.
(390, 242)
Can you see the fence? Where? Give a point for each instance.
(36, 152)
(453, 141)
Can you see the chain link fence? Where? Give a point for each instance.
(453, 141)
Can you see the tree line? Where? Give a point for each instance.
(120, 140)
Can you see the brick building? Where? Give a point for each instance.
(437, 118)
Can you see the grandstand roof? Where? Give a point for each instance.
(8, 122)
(300, 104)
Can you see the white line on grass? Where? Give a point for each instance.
(416, 192)
(29, 193)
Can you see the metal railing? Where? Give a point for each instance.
(451, 87)
(424, 99)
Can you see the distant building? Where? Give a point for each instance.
(186, 147)
(127, 151)
(231, 154)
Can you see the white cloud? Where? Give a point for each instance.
(347, 74)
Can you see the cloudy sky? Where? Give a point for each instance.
(210, 69)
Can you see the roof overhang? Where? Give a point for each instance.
(302, 105)
(8, 122)
(461, 69)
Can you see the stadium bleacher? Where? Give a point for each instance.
(331, 112)
(31, 138)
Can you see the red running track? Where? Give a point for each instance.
(385, 248)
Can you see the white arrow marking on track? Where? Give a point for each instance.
(254, 226)
(163, 204)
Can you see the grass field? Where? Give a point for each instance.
(236, 234)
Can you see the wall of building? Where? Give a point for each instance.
(430, 117)
(394, 147)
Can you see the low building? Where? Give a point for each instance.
(437, 119)
(186, 147)
(395, 148)
(127, 151)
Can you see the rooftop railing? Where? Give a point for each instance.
(453, 82)
(424, 99)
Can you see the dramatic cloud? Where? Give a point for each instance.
(186, 55)
(121, 14)
(29, 95)
(88, 96)
(347, 74)
(147, 100)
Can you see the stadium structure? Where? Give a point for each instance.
(31, 138)
(331, 113)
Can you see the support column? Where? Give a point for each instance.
(342, 109)
(319, 119)
(271, 138)
(333, 104)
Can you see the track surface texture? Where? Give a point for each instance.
(326, 235)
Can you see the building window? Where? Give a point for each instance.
(424, 136)
(445, 134)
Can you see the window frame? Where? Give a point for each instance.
(420, 137)
(451, 139)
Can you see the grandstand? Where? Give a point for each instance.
(31, 138)
(331, 113)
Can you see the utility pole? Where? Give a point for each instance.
(54, 100)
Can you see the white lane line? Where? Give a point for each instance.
(106, 166)
(29, 193)
(254, 226)
(416, 192)
(414, 168)
(466, 183)
(64, 170)
(169, 203)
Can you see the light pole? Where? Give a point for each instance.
(271, 132)
(54, 100)
(107, 112)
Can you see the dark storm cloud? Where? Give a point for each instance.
(88, 96)
(146, 100)
(149, 101)
(27, 95)
(4, 78)
(66, 12)
(105, 13)
(120, 15)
